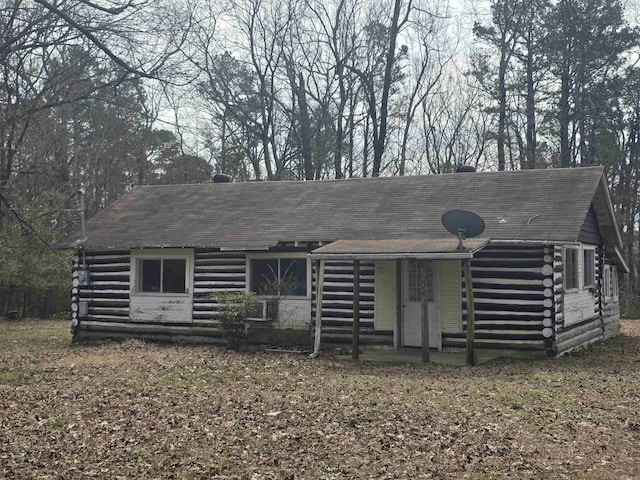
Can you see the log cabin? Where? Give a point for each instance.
(359, 259)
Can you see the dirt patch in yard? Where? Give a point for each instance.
(135, 410)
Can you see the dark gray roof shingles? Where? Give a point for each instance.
(522, 205)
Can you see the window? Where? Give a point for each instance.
(579, 267)
(414, 284)
(571, 268)
(279, 276)
(610, 286)
(414, 292)
(162, 275)
(589, 269)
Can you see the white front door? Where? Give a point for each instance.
(412, 292)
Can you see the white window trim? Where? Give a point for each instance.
(580, 267)
(279, 255)
(162, 254)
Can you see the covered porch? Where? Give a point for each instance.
(386, 355)
(416, 280)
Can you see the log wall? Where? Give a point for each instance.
(108, 299)
(107, 295)
(215, 272)
(519, 301)
(337, 304)
(513, 291)
(579, 320)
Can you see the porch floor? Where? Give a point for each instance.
(376, 354)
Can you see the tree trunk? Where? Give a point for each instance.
(305, 129)
(502, 106)
(379, 143)
(530, 106)
(565, 152)
(339, 141)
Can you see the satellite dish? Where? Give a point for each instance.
(463, 224)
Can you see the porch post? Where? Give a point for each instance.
(319, 292)
(425, 312)
(355, 347)
(468, 283)
(397, 336)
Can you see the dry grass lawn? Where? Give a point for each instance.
(135, 410)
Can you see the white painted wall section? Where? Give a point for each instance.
(385, 295)
(578, 306)
(150, 307)
(451, 296)
(294, 313)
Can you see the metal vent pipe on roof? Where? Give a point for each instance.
(465, 169)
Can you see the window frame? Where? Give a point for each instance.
(610, 283)
(579, 268)
(594, 282)
(279, 256)
(575, 264)
(138, 256)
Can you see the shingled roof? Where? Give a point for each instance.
(533, 205)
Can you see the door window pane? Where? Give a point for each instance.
(413, 284)
(174, 275)
(150, 278)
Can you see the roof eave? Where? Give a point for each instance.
(403, 255)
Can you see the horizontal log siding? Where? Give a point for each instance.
(337, 304)
(215, 272)
(107, 294)
(591, 328)
(513, 299)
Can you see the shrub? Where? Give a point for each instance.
(235, 309)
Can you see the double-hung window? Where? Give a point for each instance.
(579, 267)
(283, 276)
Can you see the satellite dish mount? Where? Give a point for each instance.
(463, 224)
(462, 235)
